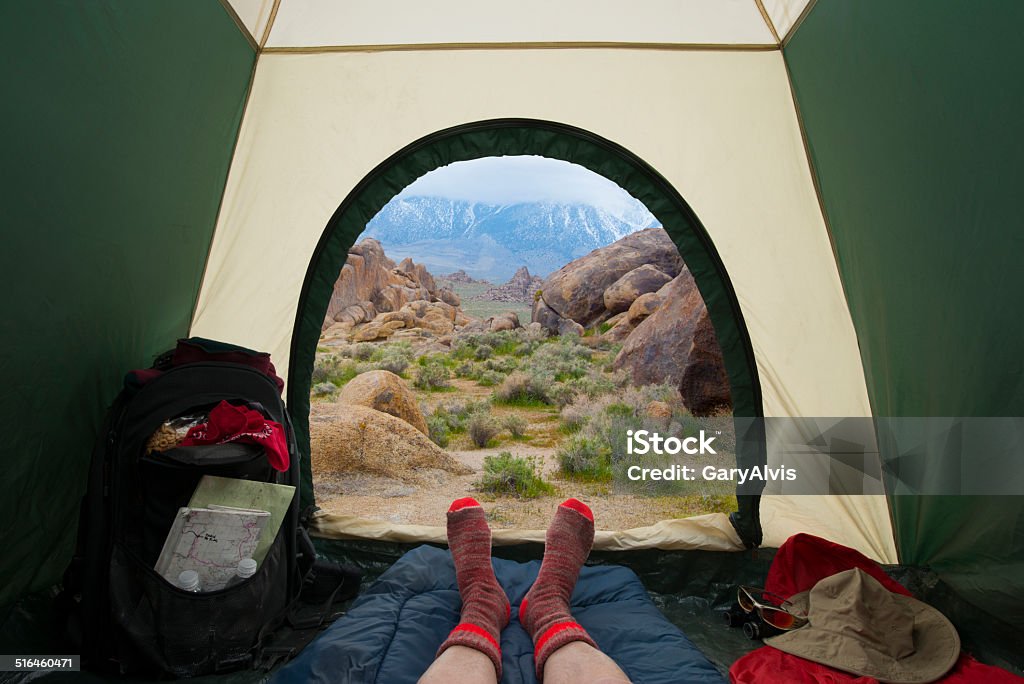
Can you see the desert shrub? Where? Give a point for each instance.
(466, 369)
(500, 342)
(471, 407)
(605, 419)
(610, 427)
(515, 424)
(664, 392)
(394, 357)
(444, 415)
(526, 348)
(393, 364)
(484, 351)
(334, 369)
(574, 416)
(522, 388)
(502, 364)
(613, 351)
(467, 343)
(562, 360)
(585, 458)
(461, 350)
(438, 357)
(456, 415)
(506, 346)
(604, 327)
(482, 429)
(561, 394)
(363, 351)
(531, 334)
(324, 389)
(320, 368)
(432, 376)
(438, 430)
(489, 378)
(514, 475)
(595, 383)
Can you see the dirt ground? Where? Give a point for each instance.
(382, 498)
(392, 500)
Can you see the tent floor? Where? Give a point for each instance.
(691, 589)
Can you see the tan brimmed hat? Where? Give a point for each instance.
(856, 625)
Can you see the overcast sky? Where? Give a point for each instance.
(506, 180)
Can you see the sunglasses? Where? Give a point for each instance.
(777, 615)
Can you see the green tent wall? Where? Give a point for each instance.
(119, 119)
(912, 111)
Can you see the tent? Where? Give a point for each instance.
(840, 178)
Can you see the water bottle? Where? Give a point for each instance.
(189, 581)
(246, 569)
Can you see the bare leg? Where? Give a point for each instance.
(580, 663)
(463, 664)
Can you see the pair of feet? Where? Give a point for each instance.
(544, 612)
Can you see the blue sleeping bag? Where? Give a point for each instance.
(392, 631)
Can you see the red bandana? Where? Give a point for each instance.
(228, 423)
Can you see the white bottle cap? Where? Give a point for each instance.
(246, 567)
(188, 580)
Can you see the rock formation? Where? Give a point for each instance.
(418, 319)
(347, 438)
(624, 323)
(461, 277)
(639, 288)
(640, 281)
(507, 320)
(705, 384)
(676, 344)
(657, 349)
(384, 391)
(449, 296)
(576, 291)
(370, 284)
(520, 288)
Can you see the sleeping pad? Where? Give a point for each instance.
(393, 629)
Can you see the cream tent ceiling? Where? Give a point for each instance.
(330, 24)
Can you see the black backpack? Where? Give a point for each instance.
(121, 614)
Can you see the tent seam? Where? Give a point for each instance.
(796, 24)
(539, 45)
(251, 39)
(768, 21)
(270, 25)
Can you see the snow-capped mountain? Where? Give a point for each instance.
(491, 241)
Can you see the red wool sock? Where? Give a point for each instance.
(545, 610)
(485, 608)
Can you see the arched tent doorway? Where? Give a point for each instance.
(503, 137)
